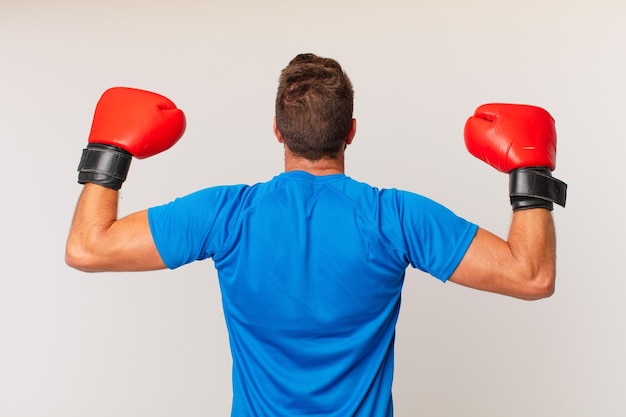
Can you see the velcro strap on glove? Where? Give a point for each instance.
(535, 187)
(104, 165)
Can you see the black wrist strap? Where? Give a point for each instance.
(535, 187)
(104, 165)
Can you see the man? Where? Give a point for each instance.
(311, 263)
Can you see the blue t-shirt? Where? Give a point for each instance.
(311, 270)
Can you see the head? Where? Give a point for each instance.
(314, 107)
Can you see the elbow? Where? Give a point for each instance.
(540, 293)
(540, 285)
(78, 257)
(76, 262)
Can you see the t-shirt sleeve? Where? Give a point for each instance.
(434, 238)
(196, 226)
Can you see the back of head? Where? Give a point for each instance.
(314, 106)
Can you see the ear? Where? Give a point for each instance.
(277, 132)
(351, 132)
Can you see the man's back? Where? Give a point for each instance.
(311, 271)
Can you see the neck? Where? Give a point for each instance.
(324, 166)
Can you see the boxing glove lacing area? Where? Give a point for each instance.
(104, 165)
(535, 187)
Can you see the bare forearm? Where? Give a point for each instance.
(532, 244)
(95, 212)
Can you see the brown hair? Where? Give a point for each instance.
(314, 106)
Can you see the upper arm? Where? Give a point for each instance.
(132, 247)
(481, 266)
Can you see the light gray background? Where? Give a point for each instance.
(154, 344)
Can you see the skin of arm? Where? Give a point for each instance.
(99, 241)
(523, 266)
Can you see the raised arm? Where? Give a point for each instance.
(99, 241)
(127, 122)
(519, 140)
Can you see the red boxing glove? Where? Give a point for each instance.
(128, 122)
(511, 136)
(140, 122)
(520, 140)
